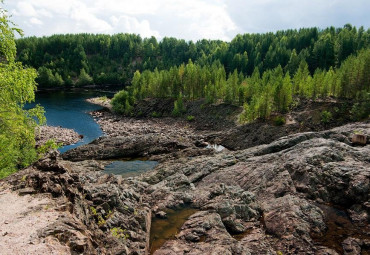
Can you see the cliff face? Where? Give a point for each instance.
(278, 197)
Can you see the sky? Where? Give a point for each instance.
(185, 19)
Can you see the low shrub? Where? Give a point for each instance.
(326, 117)
(279, 121)
(190, 118)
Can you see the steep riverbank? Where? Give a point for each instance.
(261, 200)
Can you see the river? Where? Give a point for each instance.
(69, 109)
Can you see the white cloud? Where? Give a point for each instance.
(25, 9)
(86, 21)
(36, 21)
(190, 20)
(207, 20)
(129, 7)
(132, 25)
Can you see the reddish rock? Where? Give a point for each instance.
(359, 139)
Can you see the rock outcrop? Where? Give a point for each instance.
(276, 198)
(58, 134)
(277, 188)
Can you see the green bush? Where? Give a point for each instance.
(119, 233)
(361, 109)
(84, 78)
(190, 118)
(279, 121)
(326, 117)
(179, 107)
(48, 146)
(155, 114)
(104, 98)
(122, 103)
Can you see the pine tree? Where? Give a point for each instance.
(179, 108)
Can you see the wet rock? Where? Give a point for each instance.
(202, 225)
(161, 215)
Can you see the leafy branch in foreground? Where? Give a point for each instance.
(17, 86)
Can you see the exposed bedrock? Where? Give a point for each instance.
(268, 199)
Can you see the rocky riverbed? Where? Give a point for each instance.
(61, 135)
(305, 193)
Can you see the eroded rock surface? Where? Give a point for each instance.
(261, 200)
(277, 185)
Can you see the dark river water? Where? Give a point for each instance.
(69, 109)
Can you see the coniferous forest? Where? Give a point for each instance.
(262, 72)
(258, 145)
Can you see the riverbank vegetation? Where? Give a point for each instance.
(77, 60)
(17, 125)
(259, 94)
(261, 72)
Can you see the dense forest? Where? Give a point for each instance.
(75, 60)
(260, 94)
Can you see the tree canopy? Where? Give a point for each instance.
(113, 59)
(17, 86)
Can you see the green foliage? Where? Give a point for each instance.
(179, 107)
(113, 59)
(84, 78)
(260, 96)
(119, 233)
(93, 211)
(49, 145)
(122, 102)
(47, 79)
(279, 121)
(104, 98)
(361, 109)
(326, 117)
(102, 219)
(245, 116)
(190, 118)
(17, 125)
(24, 177)
(155, 114)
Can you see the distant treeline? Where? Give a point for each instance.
(260, 94)
(75, 60)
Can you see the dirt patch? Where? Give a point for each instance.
(20, 219)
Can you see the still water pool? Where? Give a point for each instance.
(130, 168)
